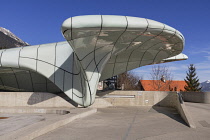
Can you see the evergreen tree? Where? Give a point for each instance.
(192, 80)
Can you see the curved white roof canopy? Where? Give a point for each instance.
(99, 47)
(128, 42)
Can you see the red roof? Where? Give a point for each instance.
(158, 85)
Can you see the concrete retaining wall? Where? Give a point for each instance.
(150, 98)
(115, 98)
(32, 99)
(140, 98)
(196, 97)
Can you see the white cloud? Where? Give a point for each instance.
(205, 65)
(208, 57)
(198, 50)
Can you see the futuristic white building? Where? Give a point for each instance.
(97, 47)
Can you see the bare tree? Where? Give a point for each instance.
(161, 77)
(129, 81)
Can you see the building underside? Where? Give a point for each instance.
(97, 47)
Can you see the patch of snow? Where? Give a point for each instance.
(208, 81)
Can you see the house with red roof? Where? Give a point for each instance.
(159, 85)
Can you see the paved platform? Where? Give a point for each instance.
(14, 122)
(200, 113)
(28, 126)
(132, 123)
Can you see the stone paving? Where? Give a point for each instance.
(132, 123)
(28, 126)
(14, 122)
(118, 123)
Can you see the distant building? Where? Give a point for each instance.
(158, 85)
(108, 84)
(100, 85)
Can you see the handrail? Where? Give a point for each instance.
(180, 97)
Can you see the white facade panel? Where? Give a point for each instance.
(27, 63)
(59, 78)
(29, 52)
(10, 58)
(64, 56)
(46, 70)
(46, 53)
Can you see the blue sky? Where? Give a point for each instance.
(39, 21)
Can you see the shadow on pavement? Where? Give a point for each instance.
(170, 112)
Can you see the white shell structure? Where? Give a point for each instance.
(97, 47)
